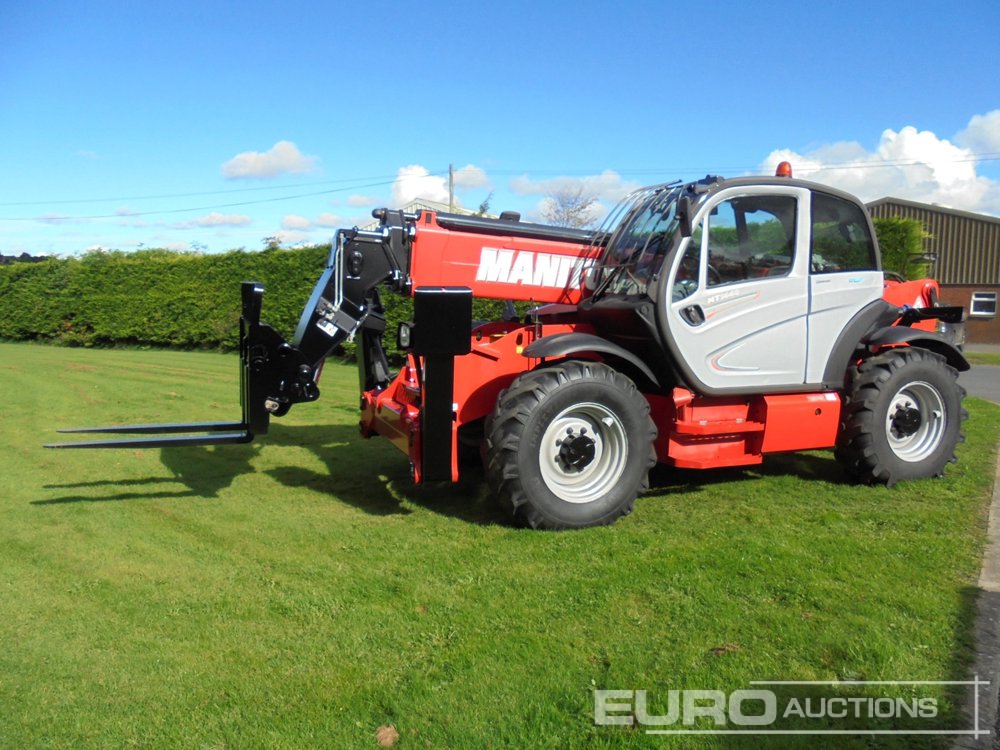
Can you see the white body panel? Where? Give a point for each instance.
(833, 299)
(767, 332)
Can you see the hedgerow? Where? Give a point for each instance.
(164, 298)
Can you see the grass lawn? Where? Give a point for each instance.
(299, 592)
(983, 358)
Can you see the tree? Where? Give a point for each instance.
(569, 207)
(484, 207)
(901, 241)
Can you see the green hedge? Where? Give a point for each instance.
(169, 299)
(152, 297)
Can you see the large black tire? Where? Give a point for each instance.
(569, 446)
(902, 418)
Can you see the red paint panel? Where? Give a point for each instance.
(499, 267)
(799, 422)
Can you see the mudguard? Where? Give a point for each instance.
(565, 344)
(894, 335)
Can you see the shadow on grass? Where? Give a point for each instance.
(374, 477)
(818, 467)
(370, 475)
(202, 471)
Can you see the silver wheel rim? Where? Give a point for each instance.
(915, 422)
(583, 453)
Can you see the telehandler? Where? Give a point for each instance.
(704, 325)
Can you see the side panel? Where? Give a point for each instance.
(497, 266)
(834, 299)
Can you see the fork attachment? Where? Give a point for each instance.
(273, 375)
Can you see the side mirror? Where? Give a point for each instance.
(684, 215)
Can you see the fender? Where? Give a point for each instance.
(564, 344)
(892, 335)
(872, 317)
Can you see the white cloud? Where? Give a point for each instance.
(470, 176)
(294, 221)
(215, 219)
(291, 237)
(56, 219)
(982, 134)
(328, 221)
(608, 186)
(912, 164)
(414, 182)
(283, 158)
(360, 201)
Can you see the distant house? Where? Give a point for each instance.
(966, 247)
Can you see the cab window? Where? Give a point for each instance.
(750, 238)
(841, 240)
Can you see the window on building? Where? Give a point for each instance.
(984, 305)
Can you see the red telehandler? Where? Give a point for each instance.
(704, 325)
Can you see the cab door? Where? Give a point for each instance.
(738, 294)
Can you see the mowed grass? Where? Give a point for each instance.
(299, 592)
(983, 358)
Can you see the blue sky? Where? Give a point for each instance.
(212, 125)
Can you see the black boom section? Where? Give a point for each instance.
(442, 330)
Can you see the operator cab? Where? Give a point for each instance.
(737, 285)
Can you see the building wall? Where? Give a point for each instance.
(967, 247)
(977, 330)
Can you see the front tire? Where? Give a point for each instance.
(902, 418)
(570, 446)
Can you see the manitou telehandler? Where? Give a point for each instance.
(703, 325)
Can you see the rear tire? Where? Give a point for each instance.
(902, 418)
(569, 446)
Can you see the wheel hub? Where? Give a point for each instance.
(583, 452)
(915, 422)
(577, 451)
(906, 421)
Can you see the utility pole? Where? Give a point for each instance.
(451, 188)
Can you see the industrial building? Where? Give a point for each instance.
(965, 248)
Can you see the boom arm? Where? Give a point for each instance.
(494, 258)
